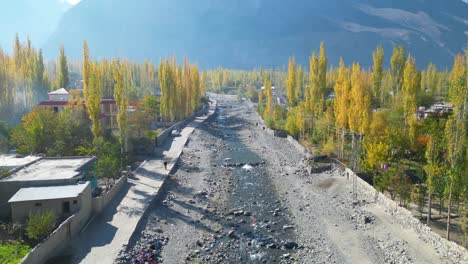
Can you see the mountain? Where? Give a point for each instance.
(33, 18)
(262, 33)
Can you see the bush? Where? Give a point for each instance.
(13, 252)
(40, 225)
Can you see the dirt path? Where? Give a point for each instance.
(243, 196)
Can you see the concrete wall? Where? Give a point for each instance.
(167, 132)
(59, 239)
(99, 203)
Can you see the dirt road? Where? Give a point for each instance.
(243, 196)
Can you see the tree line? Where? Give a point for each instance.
(144, 95)
(367, 118)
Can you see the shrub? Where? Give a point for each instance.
(40, 225)
(13, 252)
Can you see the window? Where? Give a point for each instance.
(75, 201)
(56, 109)
(38, 204)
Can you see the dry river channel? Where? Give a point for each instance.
(240, 195)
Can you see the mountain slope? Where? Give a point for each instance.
(36, 19)
(254, 33)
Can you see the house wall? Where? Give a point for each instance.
(59, 97)
(9, 188)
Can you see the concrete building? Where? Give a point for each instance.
(11, 162)
(44, 172)
(60, 98)
(63, 200)
(437, 109)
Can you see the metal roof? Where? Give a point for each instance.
(48, 193)
(51, 169)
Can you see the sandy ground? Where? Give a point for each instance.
(243, 196)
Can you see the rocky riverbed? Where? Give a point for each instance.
(241, 195)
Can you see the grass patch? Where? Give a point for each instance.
(13, 252)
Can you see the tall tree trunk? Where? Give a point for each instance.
(342, 143)
(429, 209)
(449, 209)
(440, 205)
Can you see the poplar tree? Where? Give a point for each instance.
(359, 110)
(291, 82)
(203, 84)
(314, 93)
(341, 102)
(397, 63)
(455, 130)
(299, 90)
(121, 100)
(377, 72)
(322, 72)
(63, 80)
(93, 101)
(411, 84)
(269, 98)
(195, 80)
(86, 69)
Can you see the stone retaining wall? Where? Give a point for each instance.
(450, 250)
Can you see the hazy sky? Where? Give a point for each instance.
(74, 2)
(34, 18)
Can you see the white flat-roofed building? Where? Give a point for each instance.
(44, 172)
(11, 162)
(63, 200)
(51, 169)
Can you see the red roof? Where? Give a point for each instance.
(48, 102)
(55, 102)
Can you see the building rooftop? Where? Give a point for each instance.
(11, 161)
(60, 91)
(48, 193)
(51, 169)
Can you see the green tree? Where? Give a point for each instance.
(63, 79)
(93, 102)
(87, 67)
(322, 71)
(455, 130)
(377, 73)
(411, 84)
(397, 62)
(121, 100)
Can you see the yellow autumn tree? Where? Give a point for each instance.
(359, 110)
(341, 102)
(411, 84)
(291, 82)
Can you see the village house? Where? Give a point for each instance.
(438, 109)
(60, 98)
(44, 172)
(64, 201)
